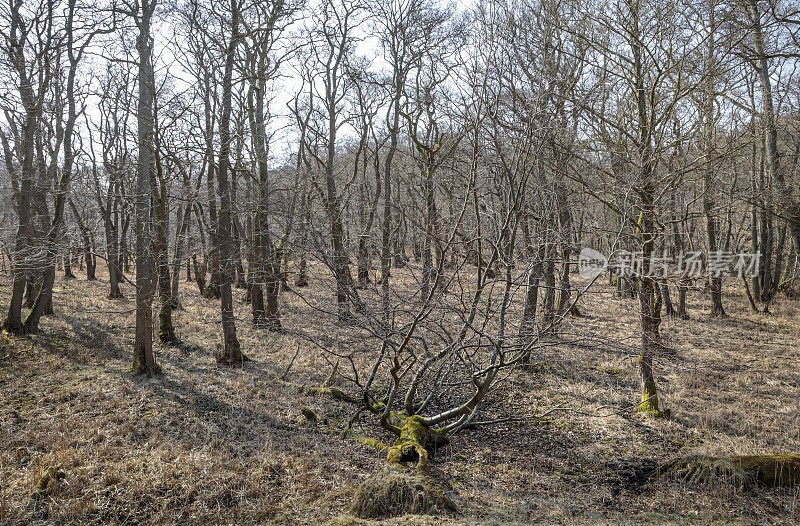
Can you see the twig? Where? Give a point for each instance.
(286, 372)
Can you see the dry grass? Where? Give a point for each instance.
(208, 444)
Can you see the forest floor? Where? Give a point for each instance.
(208, 444)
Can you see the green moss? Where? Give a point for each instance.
(772, 470)
(371, 442)
(411, 444)
(649, 404)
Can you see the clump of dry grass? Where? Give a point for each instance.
(740, 470)
(392, 493)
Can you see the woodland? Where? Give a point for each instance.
(399, 262)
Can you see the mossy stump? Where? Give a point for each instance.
(777, 470)
(405, 485)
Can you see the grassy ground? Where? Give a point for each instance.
(208, 444)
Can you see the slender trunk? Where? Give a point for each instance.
(548, 301)
(565, 221)
(87, 244)
(230, 353)
(21, 259)
(712, 223)
(44, 300)
(213, 263)
(341, 261)
(241, 279)
(181, 240)
(124, 248)
(305, 222)
(143, 357)
(166, 330)
(364, 252)
(754, 214)
(68, 267)
(386, 230)
(199, 273)
(266, 255)
(776, 276)
(649, 307)
(431, 224)
(527, 328)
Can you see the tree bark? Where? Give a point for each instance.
(19, 270)
(143, 356)
(230, 352)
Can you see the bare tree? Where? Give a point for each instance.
(30, 49)
(143, 356)
(332, 43)
(230, 353)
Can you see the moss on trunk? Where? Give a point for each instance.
(411, 445)
(400, 489)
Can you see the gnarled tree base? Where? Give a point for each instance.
(236, 358)
(401, 489)
(769, 470)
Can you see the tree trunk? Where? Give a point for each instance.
(649, 308)
(68, 266)
(86, 237)
(712, 225)
(230, 353)
(305, 222)
(266, 271)
(143, 356)
(199, 274)
(19, 270)
(761, 63)
(667, 299)
(44, 299)
(527, 328)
